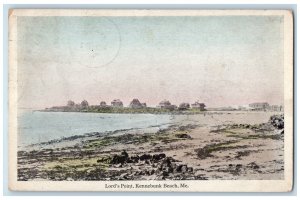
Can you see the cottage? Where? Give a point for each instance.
(276, 108)
(135, 103)
(117, 103)
(184, 106)
(262, 106)
(244, 108)
(164, 104)
(197, 105)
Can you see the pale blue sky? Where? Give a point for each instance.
(218, 60)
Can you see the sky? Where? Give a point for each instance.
(218, 60)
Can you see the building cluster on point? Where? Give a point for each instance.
(136, 104)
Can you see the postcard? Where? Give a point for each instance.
(151, 100)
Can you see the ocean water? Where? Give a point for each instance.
(35, 127)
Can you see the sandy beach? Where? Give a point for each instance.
(209, 146)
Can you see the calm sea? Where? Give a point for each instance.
(35, 127)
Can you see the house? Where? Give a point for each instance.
(261, 106)
(164, 104)
(184, 106)
(144, 105)
(103, 104)
(276, 108)
(135, 103)
(197, 105)
(117, 103)
(244, 108)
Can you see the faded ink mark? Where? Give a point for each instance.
(114, 57)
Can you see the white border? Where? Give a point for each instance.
(194, 186)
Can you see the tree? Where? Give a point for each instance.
(70, 103)
(84, 103)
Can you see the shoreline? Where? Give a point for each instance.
(104, 133)
(87, 136)
(154, 111)
(224, 146)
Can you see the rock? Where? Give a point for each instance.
(242, 153)
(165, 173)
(147, 173)
(167, 162)
(204, 152)
(159, 166)
(124, 153)
(166, 165)
(145, 157)
(134, 159)
(184, 169)
(119, 159)
(124, 176)
(238, 167)
(119, 165)
(277, 121)
(158, 157)
(253, 165)
(183, 135)
(181, 168)
(141, 173)
(178, 168)
(152, 172)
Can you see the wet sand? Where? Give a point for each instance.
(208, 146)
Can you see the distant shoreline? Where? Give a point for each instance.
(154, 111)
(126, 110)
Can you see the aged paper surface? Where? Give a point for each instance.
(151, 100)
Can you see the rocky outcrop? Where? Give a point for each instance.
(277, 121)
(159, 166)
